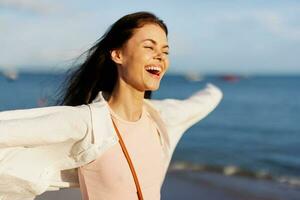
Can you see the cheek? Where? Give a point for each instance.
(134, 69)
(135, 64)
(138, 58)
(139, 61)
(167, 64)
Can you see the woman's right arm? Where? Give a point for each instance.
(29, 113)
(42, 126)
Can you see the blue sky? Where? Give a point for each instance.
(248, 37)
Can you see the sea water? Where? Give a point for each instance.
(254, 131)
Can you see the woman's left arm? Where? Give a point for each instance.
(184, 113)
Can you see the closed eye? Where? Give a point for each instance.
(149, 47)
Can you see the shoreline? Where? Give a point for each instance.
(215, 186)
(191, 185)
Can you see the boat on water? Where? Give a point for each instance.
(10, 75)
(231, 78)
(193, 76)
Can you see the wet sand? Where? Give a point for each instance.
(188, 185)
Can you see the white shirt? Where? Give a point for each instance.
(41, 148)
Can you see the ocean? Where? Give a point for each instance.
(254, 132)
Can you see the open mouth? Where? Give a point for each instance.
(154, 70)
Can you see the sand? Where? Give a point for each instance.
(188, 185)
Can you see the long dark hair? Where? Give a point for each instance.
(98, 72)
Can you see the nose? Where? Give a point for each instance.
(159, 56)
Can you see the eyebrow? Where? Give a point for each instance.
(153, 41)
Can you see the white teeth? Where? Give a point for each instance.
(153, 68)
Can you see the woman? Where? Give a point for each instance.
(108, 137)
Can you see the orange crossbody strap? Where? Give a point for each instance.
(136, 181)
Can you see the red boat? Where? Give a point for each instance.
(231, 78)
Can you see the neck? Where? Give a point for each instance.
(126, 101)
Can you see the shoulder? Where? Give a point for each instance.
(210, 92)
(196, 106)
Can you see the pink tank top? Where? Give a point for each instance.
(109, 176)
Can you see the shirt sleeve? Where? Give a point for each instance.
(43, 126)
(30, 112)
(184, 113)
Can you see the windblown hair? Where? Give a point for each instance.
(99, 72)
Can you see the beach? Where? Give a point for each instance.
(190, 185)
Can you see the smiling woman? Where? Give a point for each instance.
(132, 44)
(107, 136)
(142, 61)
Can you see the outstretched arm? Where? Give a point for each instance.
(29, 113)
(42, 126)
(179, 115)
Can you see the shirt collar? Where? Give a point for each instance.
(100, 98)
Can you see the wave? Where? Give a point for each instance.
(232, 170)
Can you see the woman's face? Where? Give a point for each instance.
(143, 60)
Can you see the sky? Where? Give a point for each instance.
(244, 37)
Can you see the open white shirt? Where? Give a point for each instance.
(41, 148)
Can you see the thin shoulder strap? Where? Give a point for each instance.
(136, 181)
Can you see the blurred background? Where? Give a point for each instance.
(248, 148)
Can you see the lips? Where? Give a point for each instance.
(155, 72)
(154, 69)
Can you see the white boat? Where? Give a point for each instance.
(193, 76)
(10, 75)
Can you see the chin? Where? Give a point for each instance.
(155, 89)
(152, 88)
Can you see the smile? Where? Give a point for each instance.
(154, 70)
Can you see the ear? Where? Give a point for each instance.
(116, 56)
